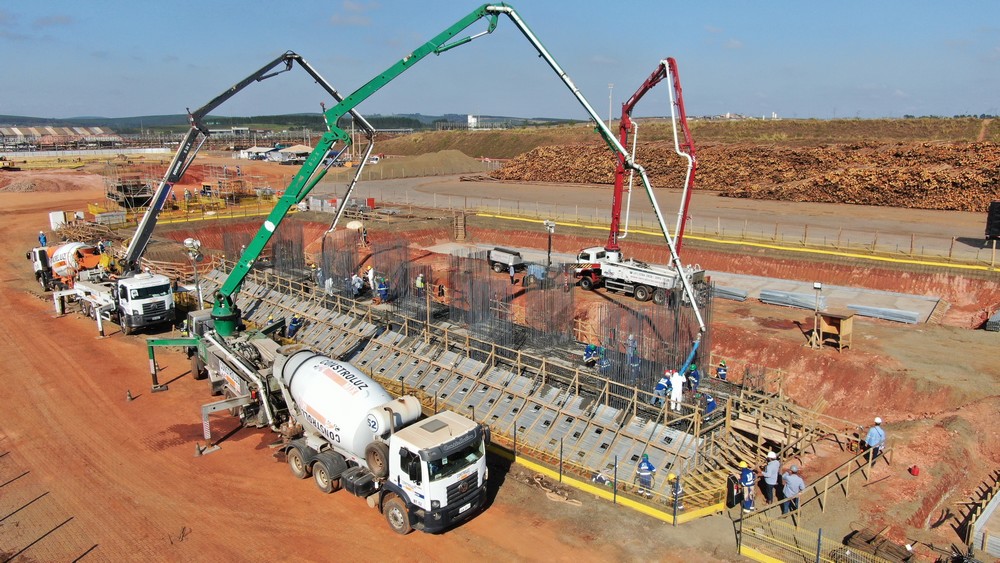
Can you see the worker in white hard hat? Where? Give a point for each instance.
(875, 441)
(771, 476)
(42, 239)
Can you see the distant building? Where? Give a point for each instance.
(17, 138)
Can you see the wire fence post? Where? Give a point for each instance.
(560, 459)
(819, 545)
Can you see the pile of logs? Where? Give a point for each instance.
(948, 176)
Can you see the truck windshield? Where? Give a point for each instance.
(147, 292)
(452, 464)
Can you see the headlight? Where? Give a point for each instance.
(435, 504)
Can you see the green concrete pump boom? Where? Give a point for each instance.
(198, 133)
(227, 315)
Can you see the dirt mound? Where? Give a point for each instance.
(945, 176)
(49, 181)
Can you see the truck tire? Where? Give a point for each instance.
(127, 330)
(660, 296)
(43, 282)
(642, 293)
(85, 308)
(377, 458)
(296, 464)
(394, 510)
(321, 476)
(587, 283)
(498, 267)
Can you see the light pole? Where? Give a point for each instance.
(550, 226)
(611, 87)
(816, 340)
(193, 247)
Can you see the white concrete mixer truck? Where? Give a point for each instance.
(348, 432)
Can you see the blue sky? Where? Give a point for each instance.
(797, 59)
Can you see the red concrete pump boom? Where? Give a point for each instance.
(667, 67)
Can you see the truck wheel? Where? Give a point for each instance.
(660, 296)
(127, 330)
(394, 510)
(377, 458)
(642, 293)
(321, 476)
(296, 463)
(498, 267)
(587, 283)
(43, 282)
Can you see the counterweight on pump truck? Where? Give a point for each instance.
(226, 314)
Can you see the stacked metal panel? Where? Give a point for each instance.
(897, 315)
(789, 299)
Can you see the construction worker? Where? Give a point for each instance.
(710, 404)
(590, 355)
(794, 485)
(644, 472)
(383, 290)
(294, 325)
(420, 284)
(721, 371)
(510, 270)
(676, 491)
(875, 441)
(42, 239)
(184, 327)
(356, 284)
(748, 480)
(660, 391)
(676, 390)
(771, 476)
(603, 362)
(694, 378)
(371, 277)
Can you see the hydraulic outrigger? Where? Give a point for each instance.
(226, 314)
(198, 134)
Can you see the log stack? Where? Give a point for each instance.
(946, 176)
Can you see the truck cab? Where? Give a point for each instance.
(437, 467)
(145, 299)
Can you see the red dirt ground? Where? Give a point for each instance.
(126, 473)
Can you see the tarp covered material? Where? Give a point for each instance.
(296, 149)
(258, 150)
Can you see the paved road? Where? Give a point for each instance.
(927, 232)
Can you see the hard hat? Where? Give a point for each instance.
(772, 455)
(671, 477)
(878, 420)
(722, 363)
(743, 465)
(645, 456)
(692, 367)
(794, 468)
(41, 232)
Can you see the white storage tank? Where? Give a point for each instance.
(57, 220)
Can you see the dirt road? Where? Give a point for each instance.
(83, 471)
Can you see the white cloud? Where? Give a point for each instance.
(734, 44)
(353, 14)
(52, 21)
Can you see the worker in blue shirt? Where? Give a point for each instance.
(794, 485)
(645, 473)
(694, 378)
(721, 371)
(875, 441)
(383, 290)
(748, 480)
(660, 391)
(42, 239)
(590, 355)
(294, 325)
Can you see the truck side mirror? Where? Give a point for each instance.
(413, 470)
